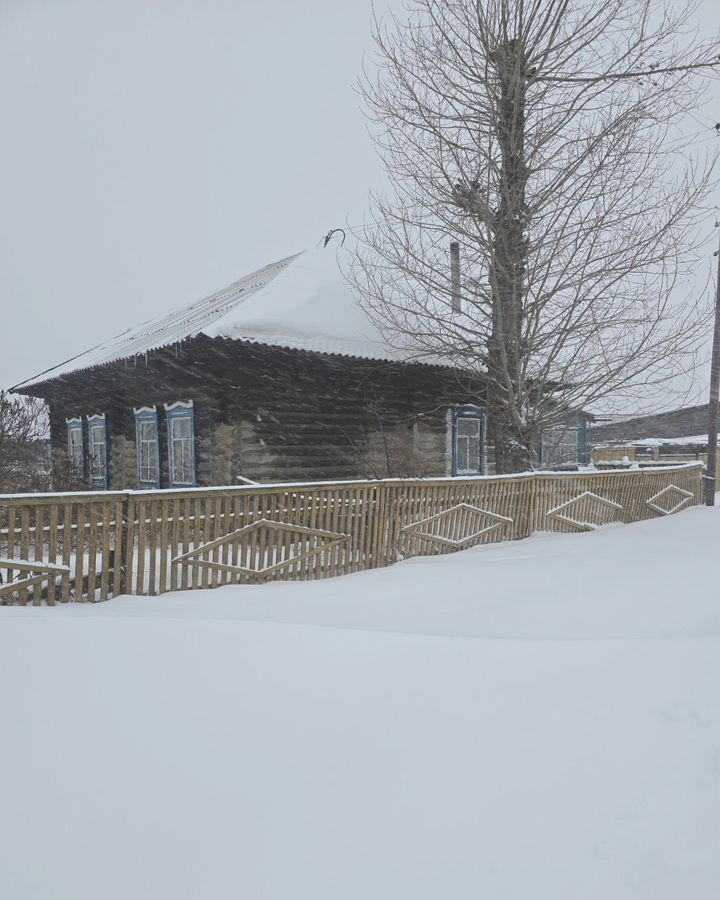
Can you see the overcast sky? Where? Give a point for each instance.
(155, 150)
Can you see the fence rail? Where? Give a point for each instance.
(91, 546)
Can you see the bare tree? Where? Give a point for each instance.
(545, 136)
(23, 463)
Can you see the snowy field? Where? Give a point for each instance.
(528, 721)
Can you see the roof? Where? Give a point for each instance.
(301, 302)
(688, 422)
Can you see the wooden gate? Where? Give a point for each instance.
(31, 575)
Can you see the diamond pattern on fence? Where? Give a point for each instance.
(456, 526)
(670, 490)
(264, 557)
(591, 511)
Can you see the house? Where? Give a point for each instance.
(280, 376)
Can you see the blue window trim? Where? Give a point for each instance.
(583, 455)
(75, 424)
(469, 412)
(147, 414)
(179, 410)
(98, 481)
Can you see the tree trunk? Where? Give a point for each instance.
(508, 267)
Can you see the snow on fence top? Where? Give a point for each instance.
(258, 487)
(301, 302)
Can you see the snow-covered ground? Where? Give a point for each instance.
(529, 721)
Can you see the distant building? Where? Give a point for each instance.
(690, 421)
(680, 433)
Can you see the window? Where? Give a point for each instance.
(468, 441)
(148, 450)
(75, 448)
(564, 443)
(97, 445)
(181, 444)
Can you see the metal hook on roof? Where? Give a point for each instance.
(328, 236)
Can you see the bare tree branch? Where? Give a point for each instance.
(23, 424)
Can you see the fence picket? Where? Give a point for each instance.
(105, 550)
(66, 551)
(38, 542)
(79, 551)
(92, 552)
(52, 551)
(9, 574)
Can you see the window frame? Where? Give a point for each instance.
(180, 410)
(463, 413)
(95, 421)
(77, 467)
(581, 454)
(143, 416)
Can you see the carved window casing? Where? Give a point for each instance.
(181, 443)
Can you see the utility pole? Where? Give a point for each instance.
(710, 475)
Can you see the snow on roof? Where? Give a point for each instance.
(301, 302)
(688, 440)
(308, 306)
(693, 440)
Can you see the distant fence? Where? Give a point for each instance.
(61, 547)
(647, 455)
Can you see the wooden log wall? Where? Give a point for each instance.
(92, 546)
(269, 413)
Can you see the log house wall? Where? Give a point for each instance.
(270, 413)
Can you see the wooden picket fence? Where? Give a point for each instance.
(91, 546)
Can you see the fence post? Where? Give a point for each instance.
(381, 526)
(127, 544)
(533, 490)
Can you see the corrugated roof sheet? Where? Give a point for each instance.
(300, 302)
(175, 326)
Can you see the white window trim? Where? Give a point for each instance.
(179, 404)
(476, 413)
